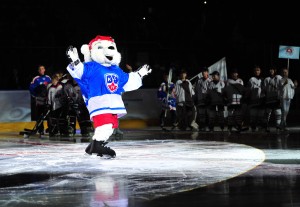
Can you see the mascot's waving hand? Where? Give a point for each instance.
(102, 82)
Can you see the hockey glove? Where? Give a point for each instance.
(144, 70)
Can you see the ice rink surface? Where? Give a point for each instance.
(142, 170)
(151, 169)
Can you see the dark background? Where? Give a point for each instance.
(185, 35)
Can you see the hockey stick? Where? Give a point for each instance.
(33, 131)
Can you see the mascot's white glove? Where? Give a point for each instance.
(73, 56)
(75, 67)
(144, 70)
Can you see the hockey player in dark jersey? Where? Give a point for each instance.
(67, 107)
(201, 88)
(255, 96)
(272, 100)
(102, 83)
(216, 102)
(79, 110)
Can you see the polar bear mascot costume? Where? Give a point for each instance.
(102, 83)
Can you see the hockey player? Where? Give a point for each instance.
(255, 98)
(200, 88)
(234, 78)
(234, 93)
(216, 102)
(185, 106)
(55, 103)
(166, 95)
(38, 91)
(83, 116)
(287, 93)
(272, 100)
(102, 83)
(70, 107)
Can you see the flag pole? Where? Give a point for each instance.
(288, 63)
(194, 77)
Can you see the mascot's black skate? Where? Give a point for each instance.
(100, 148)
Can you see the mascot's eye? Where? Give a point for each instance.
(100, 47)
(111, 48)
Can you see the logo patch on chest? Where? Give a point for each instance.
(111, 82)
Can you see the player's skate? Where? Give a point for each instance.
(100, 149)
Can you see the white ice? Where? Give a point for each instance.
(142, 169)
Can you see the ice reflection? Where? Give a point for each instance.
(109, 192)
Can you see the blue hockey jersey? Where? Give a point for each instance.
(102, 87)
(39, 83)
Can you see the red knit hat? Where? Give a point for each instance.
(100, 38)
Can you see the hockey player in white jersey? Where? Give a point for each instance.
(102, 82)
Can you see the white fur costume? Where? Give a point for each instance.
(102, 81)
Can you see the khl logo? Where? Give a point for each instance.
(111, 80)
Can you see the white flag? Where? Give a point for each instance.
(221, 67)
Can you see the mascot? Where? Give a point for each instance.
(102, 83)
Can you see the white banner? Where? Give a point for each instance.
(219, 66)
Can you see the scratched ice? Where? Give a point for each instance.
(142, 169)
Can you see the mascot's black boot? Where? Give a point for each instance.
(99, 148)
